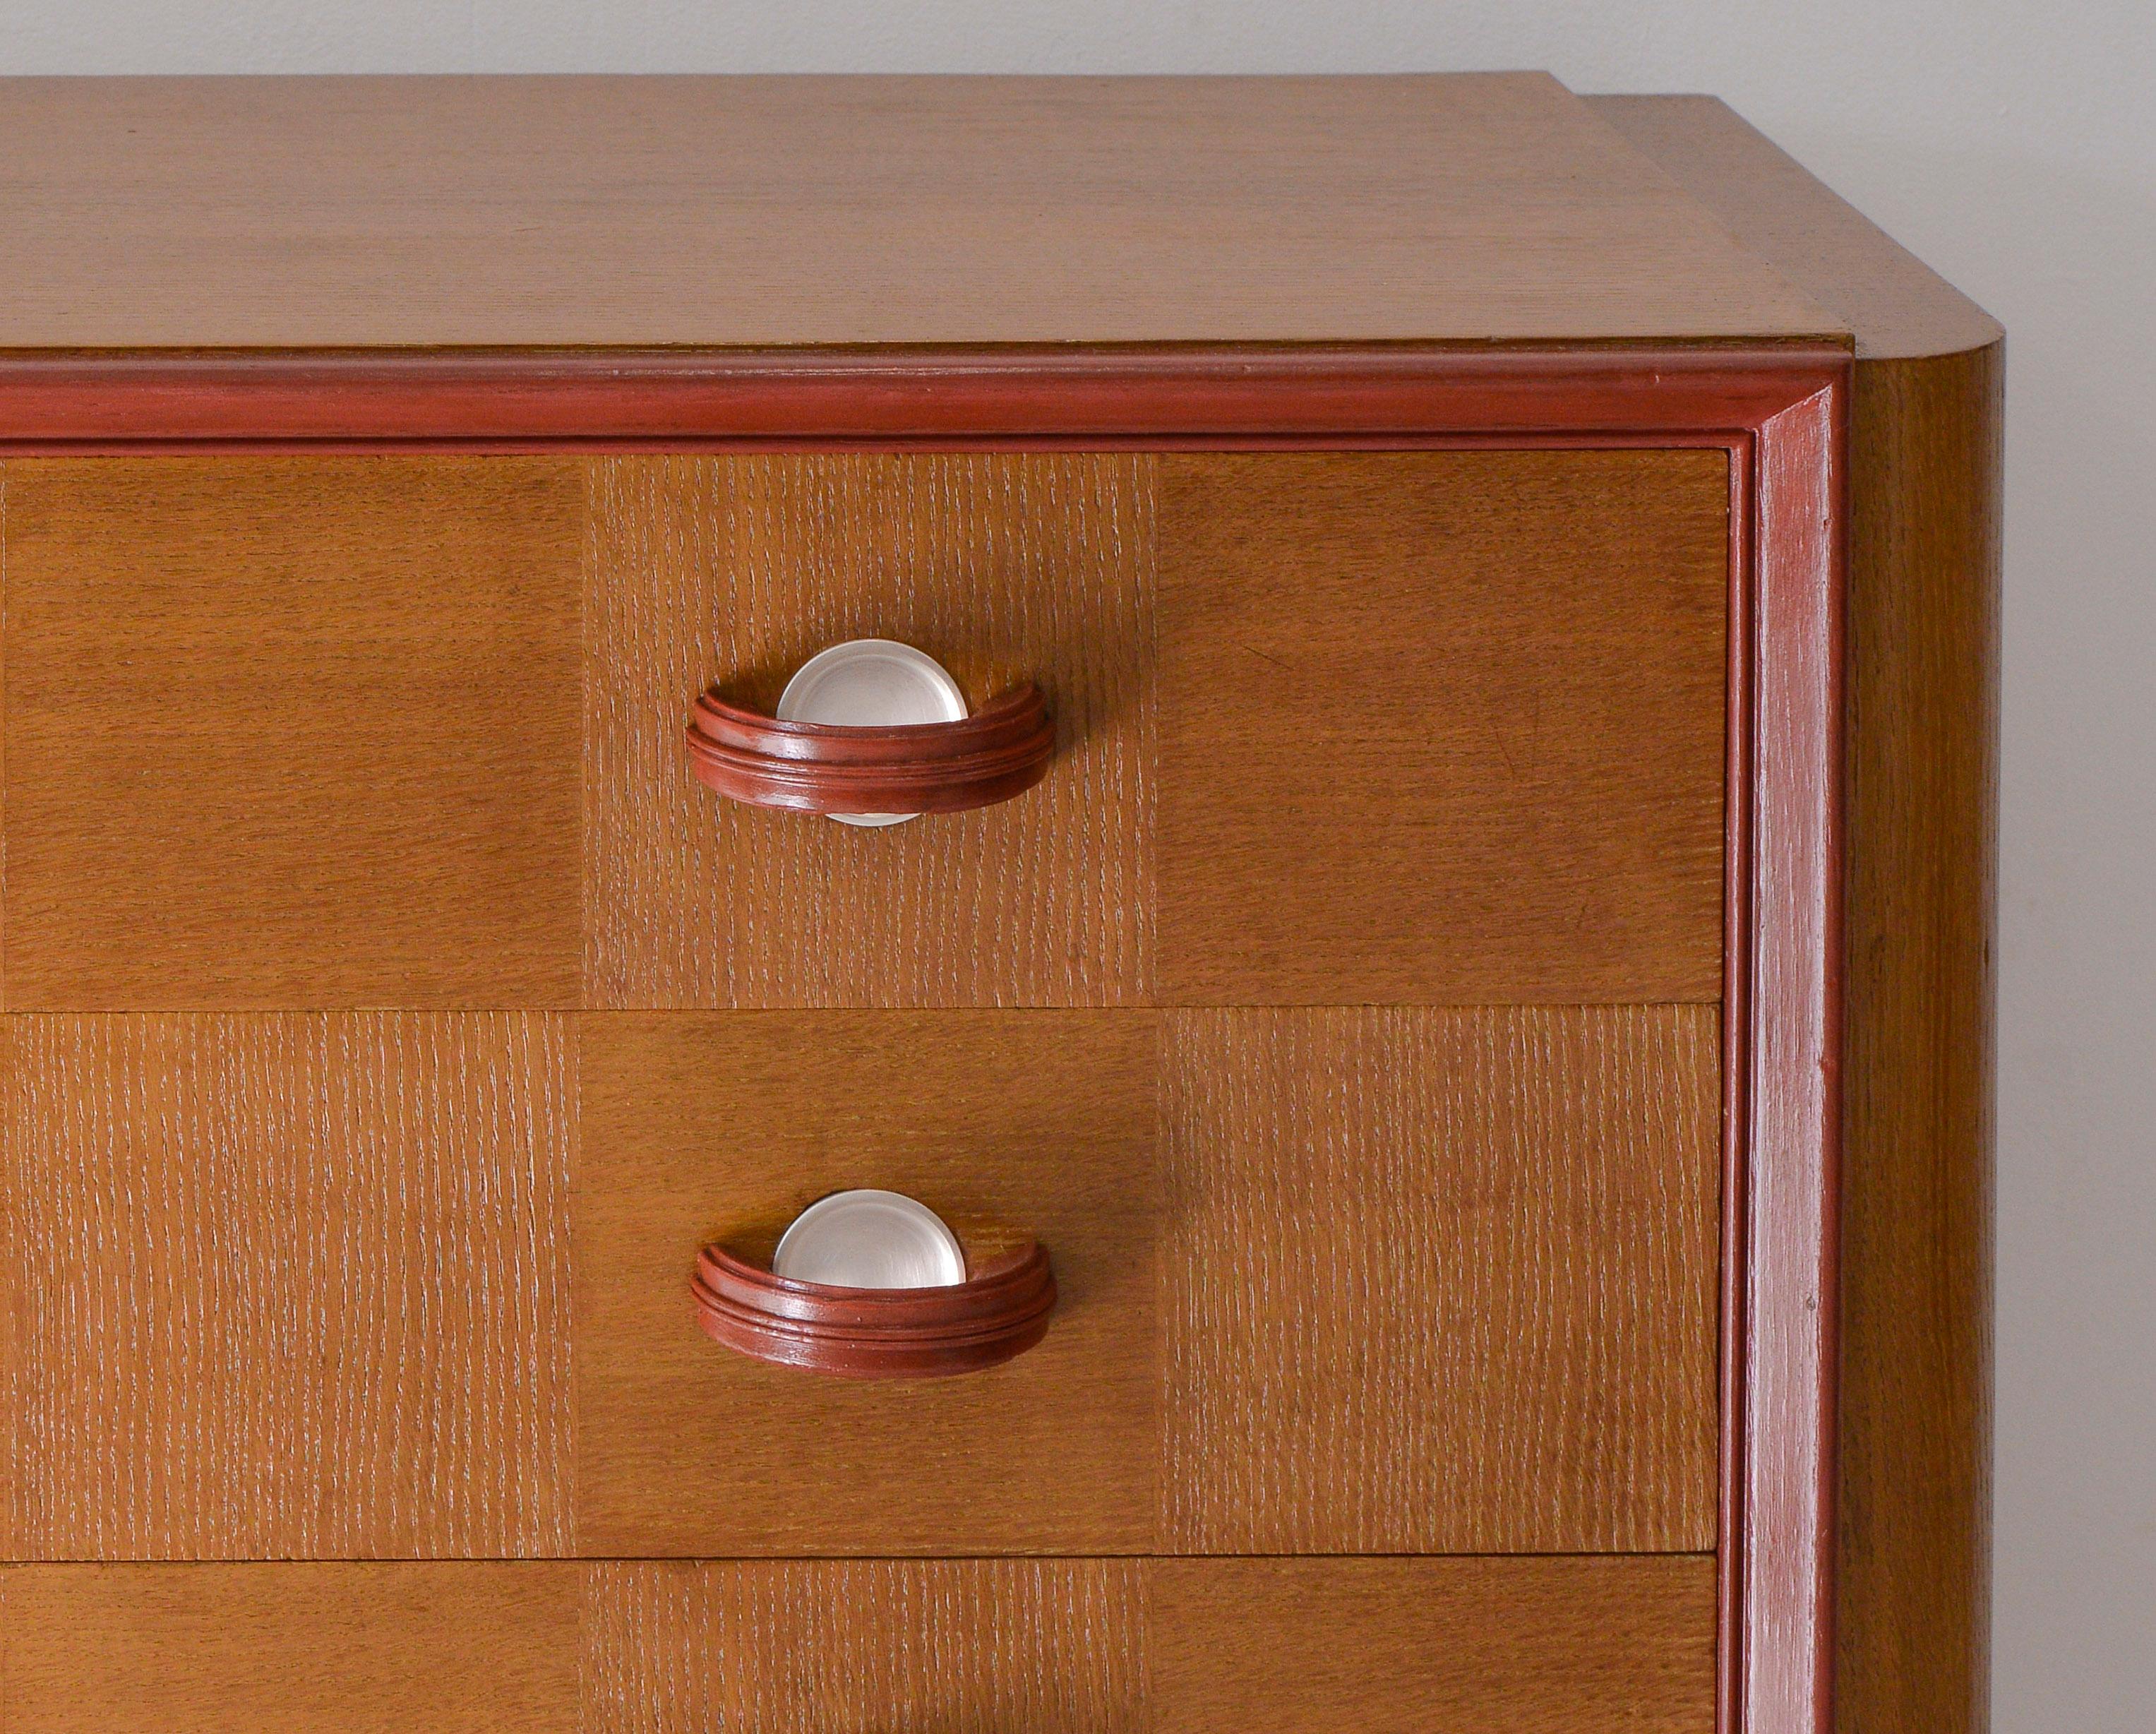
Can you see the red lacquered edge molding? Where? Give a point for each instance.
(1778, 409)
(673, 400)
(997, 1314)
(1782, 1024)
(1000, 750)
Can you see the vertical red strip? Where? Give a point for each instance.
(1793, 1120)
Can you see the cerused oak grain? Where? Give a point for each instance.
(302, 1648)
(724, 1127)
(1060, 1646)
(284, 1285)
(1441, 1281)
(1442, 725)
(733, 572)
(1392, 1646)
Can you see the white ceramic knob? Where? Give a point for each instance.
(870, 1239)
(871, 683)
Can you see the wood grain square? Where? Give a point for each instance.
(698, 1127)
(287, 1286)
(735, 571)
(1440, 1280)
(291, 732)
(1441, 727)
(866, 1647)
(1399, 1646)
(302, 1648)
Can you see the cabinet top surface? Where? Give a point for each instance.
(368, 212)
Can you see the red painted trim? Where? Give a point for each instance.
(1730, 1553)
(1778, 410)
(1793, 1118)
(591, 399)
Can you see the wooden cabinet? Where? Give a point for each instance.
(1475, 1002)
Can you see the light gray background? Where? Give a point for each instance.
(2012, 143)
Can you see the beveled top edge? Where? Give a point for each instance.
(1894, 303)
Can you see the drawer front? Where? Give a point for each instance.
(385, 1285)
(1065, 1647)
(1431, 727)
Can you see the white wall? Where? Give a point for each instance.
(2010, 142)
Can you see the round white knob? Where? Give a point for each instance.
(870, 1239)
(871, 683)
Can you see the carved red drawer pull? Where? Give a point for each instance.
(1000, 1310)
(1001, 750)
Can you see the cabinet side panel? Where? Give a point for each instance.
(1915, 1490)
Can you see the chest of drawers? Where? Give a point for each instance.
(1485, 1006)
